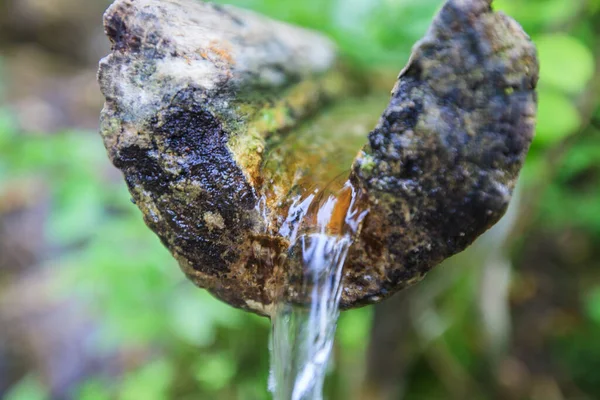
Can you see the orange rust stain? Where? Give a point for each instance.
(340, 210)
(223, 53)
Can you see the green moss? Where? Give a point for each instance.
(367, 163)
(261, 118)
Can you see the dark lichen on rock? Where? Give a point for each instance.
(198, 97)
(441, 165)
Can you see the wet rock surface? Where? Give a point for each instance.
(188, 89)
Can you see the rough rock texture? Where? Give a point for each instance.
(194, 92)
(442, 163)
(174, 120)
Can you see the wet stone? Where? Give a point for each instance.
(233, 132)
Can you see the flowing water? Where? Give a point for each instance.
(303, 334)
(320, 226)
(302, 337)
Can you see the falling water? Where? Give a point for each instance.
(307, 173)
(302, 335)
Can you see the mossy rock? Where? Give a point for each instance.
(219, 118)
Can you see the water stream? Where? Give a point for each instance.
(306, 173)
(303, 334)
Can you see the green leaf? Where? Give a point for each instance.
(149, 383)
(557, 118)
(537, 14)
(565, 62)
(8, 128)
(195, 315)
(354, 328)
(28, 388)
(77, 217)
(583, 156)
(215, 372)
(593, 305)
(94, 390)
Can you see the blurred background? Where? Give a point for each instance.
(92, 307)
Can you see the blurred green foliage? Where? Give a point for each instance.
(194, 347)
(112, 262)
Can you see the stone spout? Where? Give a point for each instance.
(200, 96)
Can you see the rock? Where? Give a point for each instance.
(199, 98)
(441, 165)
